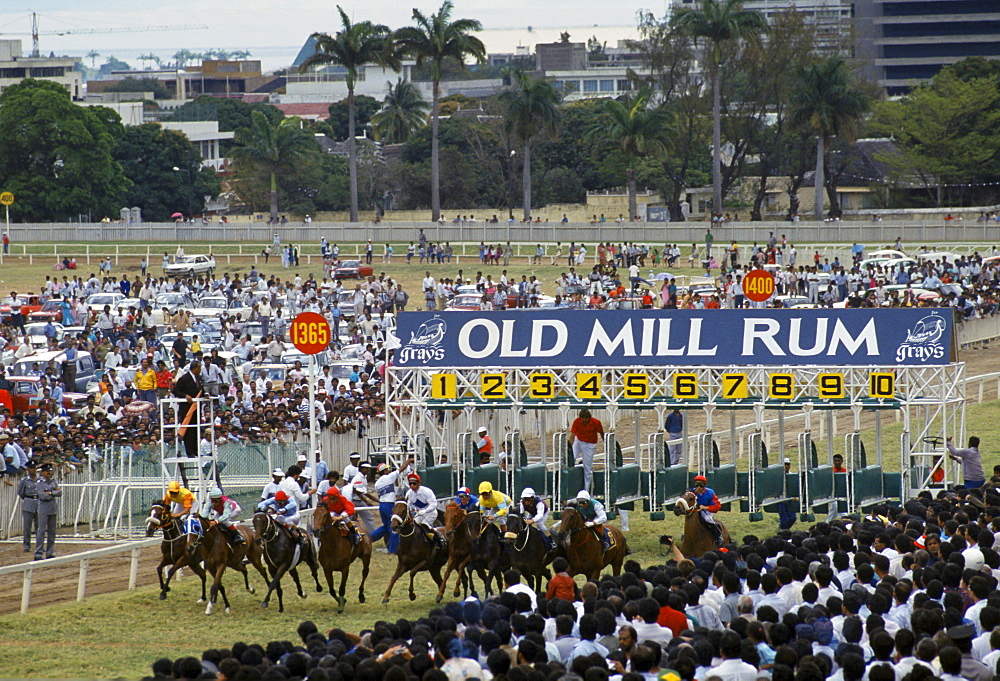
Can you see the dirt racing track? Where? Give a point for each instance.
(59, 584)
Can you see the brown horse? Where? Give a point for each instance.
(173, 551)
(458, 528)
(698, 539)
(416, 552)
(583, 547)
(283, 553)
(217, 554)
(336, 553)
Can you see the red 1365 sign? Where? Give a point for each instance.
(310, 333)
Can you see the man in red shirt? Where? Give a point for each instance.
(583, 435)
(672, 614)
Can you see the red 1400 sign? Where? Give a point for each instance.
(758, 285)
(310, 333)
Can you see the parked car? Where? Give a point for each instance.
(25, 302)
(190, 265)
(85, 366)
(352, 269)
(464, 302)
(26, 392)
(52, 309)
(96, 301)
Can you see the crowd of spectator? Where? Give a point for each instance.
(900, 594)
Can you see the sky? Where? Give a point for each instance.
(274, 31)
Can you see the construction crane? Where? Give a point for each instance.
(35, 52)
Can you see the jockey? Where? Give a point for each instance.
(422, 504)
(594, 516)
(535, 512)
(179, 499)
(286, 509)
(341, 510)
(464, 499)
(708, 505)
(271, 488)
(385, 488)
(494, 505)
(224, 511)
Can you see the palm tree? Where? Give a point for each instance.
(354, 46)
(827, 101)
(181, 58)
(531, 114)
(92, 56)
(636, 129)
(404, 112)
(147, 59)
(719, 22)
(435, 39)
(272, 148)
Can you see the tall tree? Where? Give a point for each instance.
(531, 113)
(404, 111)
(148, 154)
(433, 40)
(57, 157)
(354, 46)
(92, 56)
(828, 102)
(636, 129)
(271, 148)
(719, 22)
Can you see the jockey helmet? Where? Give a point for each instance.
(700, 478)
(464, 490)
(485, 488)
(174, 486)
(215, 493)
(413, 477)
(334, 491)
(281, 495)
(583, 495)
(528, 493)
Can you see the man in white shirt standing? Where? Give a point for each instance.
(733, 668)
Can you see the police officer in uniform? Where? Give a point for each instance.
(28, 493)
(48, 492)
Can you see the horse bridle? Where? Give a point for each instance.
(271, 527)
(403, 522)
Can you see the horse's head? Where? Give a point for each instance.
(400, 514)
(159, 516)
(515, 523)
(260, 522)
(571, 519)
(194, 531)
(453, 516)
(321, 515)
(686, 503)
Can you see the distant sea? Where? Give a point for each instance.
(280, 56)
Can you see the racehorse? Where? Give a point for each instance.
(529, 552)
(283, 553)
(217, 554)
(336, 553)
(172, 549)
(415, 553)
(583, 547)
(698, 539)
(487, 555)
(458, 528)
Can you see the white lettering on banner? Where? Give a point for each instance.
(764, 330)
(624, 339)
(841, 336)
(663, 348)
(694, 340)
(492, 339)
(538, 327)
(795, 336)
(647, 337)
(507, 338)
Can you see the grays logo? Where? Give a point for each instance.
(923, 340)
(425, 343)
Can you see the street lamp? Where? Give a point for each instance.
(187, 171)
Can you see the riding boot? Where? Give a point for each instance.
(716, 534)
(236, 537)
(353, 536)
(605, 541)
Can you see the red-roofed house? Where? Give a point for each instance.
(313, 111)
